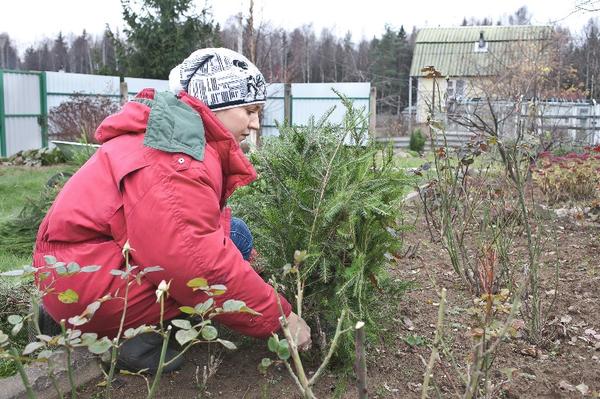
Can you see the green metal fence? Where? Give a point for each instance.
(13, 118)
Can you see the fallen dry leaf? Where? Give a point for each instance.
(592, 333)
(584, 389)
(518, 324)
(565, 386)
(408, 323)
(529, 351)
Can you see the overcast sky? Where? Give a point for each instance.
(28, 21)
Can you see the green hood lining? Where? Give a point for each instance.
(174, 126)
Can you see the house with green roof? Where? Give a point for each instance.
(464, 58)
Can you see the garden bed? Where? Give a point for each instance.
(396, 361)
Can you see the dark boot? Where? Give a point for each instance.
(143, 352)
(47, 324)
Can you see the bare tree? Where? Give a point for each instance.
(587, 5)
(521, 17)
(9, 58)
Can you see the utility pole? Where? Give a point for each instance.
(240, 38)
(252, 43)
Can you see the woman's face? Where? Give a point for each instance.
(240, 121)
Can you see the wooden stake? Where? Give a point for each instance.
(361, 360)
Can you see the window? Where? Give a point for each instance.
(450, 89)
(456, 89)
(461, 85)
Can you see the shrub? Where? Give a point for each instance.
(14, 298)
(417, 141)
(340, 203)
(572, 177)
(79, 116)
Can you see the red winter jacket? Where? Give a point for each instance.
(170, 206)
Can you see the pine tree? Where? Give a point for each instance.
(340, 203)
(390, 70)
(162, 33)
(60, 54)
(46, 59)
(80, 54)
(31, 59)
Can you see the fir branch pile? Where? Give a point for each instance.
(17, 234)
(340, 203)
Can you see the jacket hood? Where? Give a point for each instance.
(134, 117)
(177, 124)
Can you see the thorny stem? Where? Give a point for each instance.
(36, 324)
(161, 364)
(21, 370)
(70, 374)
(533, 267)
(300, 376)
(475, 371)
(294, 377)
(436, 342)
(294, 350)
(36, 314)
(53, 378)
(69, 365)
(338, 333)
(114, 354)
(481, 354)
(299, 292)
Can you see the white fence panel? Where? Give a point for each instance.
(22, 93)
(22, 130)
(61, 86)
(135, 85)
(315, 99)
(22, 133)
(274, 109)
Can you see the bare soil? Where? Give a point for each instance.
(569, 357)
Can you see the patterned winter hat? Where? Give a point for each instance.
(219, 77)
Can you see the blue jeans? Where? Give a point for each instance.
(242, 237)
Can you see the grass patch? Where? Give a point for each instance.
(10, 261)
(412, 162)
(27, 198)
(20, 183)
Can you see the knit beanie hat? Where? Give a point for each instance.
(220, 78)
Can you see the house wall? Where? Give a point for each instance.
(472, 89)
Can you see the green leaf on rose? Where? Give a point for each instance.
(209, 333)
(68, 296)
(100, 346)
(182, 323)
(185, 336)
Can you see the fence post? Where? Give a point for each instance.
(2, 117)
(44, 109)
(373, 110)
(287, 103)
(410, 105)
(123, 91)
